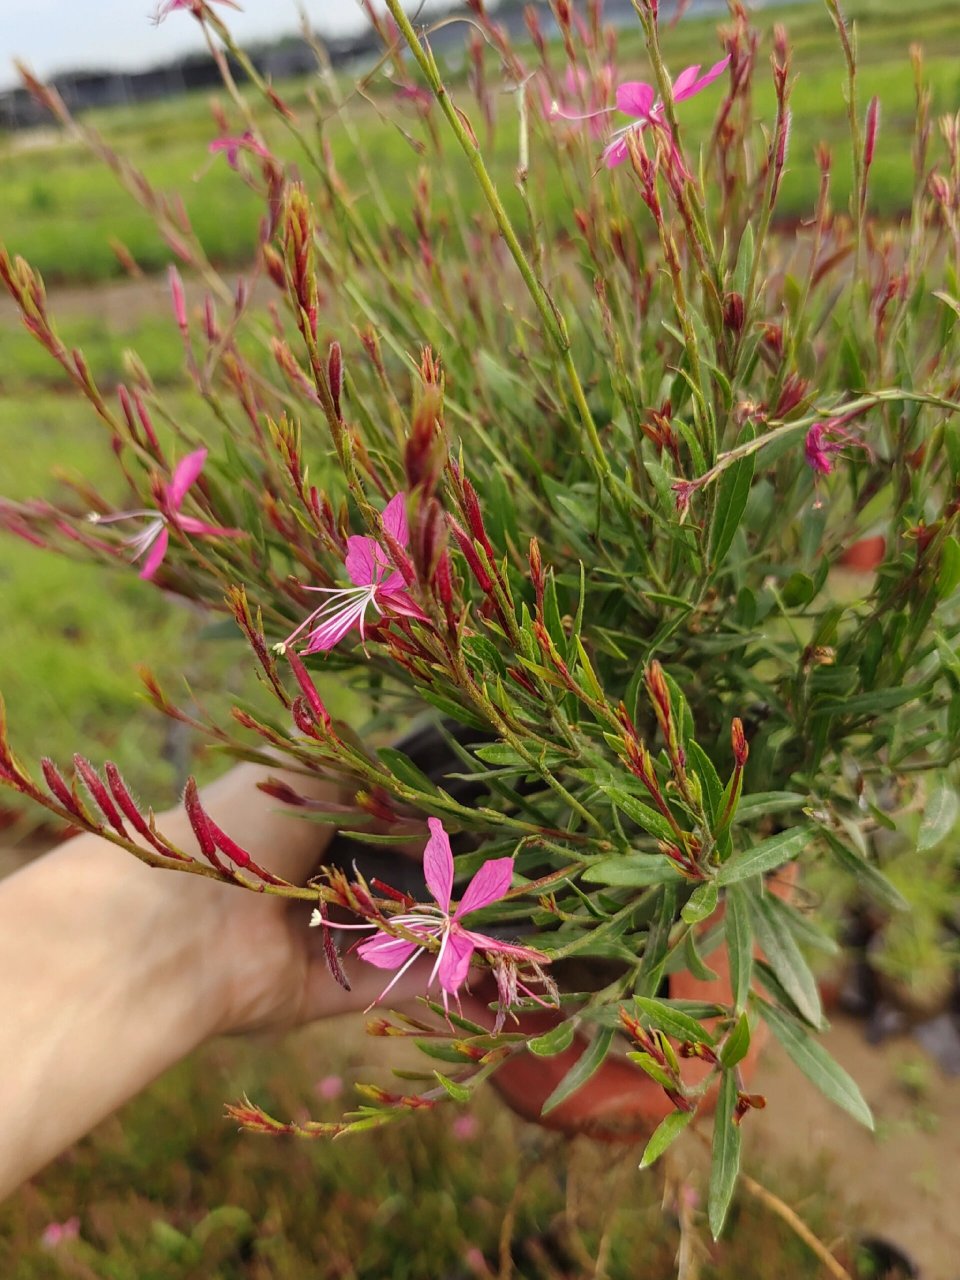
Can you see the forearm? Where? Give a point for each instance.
(108, 972)
(85, 944)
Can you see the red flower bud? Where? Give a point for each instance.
(738, 741)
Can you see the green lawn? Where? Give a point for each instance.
(60, 210)
(74, 633)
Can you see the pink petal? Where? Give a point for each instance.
(683, 85)
(454, 963)
(386, 952)
(616, 153)
(438, 864)
(576, 80)
(189, 525)
(483, 942)
(635, 98)
(184, 474)
(393, 583)
(332, 630)
(490, 883)
(155, 555)
(718, 68)
(394, 517)
(365, 559)
(393, 601)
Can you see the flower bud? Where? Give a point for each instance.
(733, 312)
(738, 741)
(870, 136)
(335, 374)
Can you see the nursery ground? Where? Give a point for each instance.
(169, 1184)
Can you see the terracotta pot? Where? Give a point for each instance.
(864, 556)
(619, 1103)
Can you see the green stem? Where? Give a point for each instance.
(553, 322)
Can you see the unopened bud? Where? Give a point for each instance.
(733, 312)
(738, 741)
(335, 374)
(660, 696)
(274, 265)
(872, 128)
(308, 687)
(536, 572)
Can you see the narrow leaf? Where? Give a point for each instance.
(737, 1043)
(459, 1092)
(784, 957)
(631, 870)
(554, 1041)
(816, 1063)
(731, 504)
(725, 1164)
(589, 1061)
(739, 935)
(672, 1020)
(665, 1134)
(765, 856)
(701, 904)
(939, 817)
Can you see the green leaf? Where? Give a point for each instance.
(648, 1064)
(784, 957)
(632, 870)
(948, 578)
(739, 936)
(693, 960)
(725, 1164)
(712, 786)
(404, 769)
(665, 1134)
(764, 802)
(873, 881)
(554, 1041)
(701, 904)
(939, 815)
(731, 502)
(816, 1063)
(458, 1092)
(672, 1020)
(868, 703)
(443, 1052)
(737, 1043)
(765, 856)
(655, 824)
(589, 1061)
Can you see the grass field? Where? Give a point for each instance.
(60, 210)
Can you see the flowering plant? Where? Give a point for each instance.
(592, 485)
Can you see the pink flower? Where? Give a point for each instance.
(636, 98)
(329, 1087)
(465, 1127)
(436, 922)
(820, 449)
(233, 146)
(580, 91)
(196, 7)
(376, 580)
(153, 539)
(55, 1233)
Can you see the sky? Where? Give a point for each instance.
(53, 35)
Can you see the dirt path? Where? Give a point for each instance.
(905, 1179)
